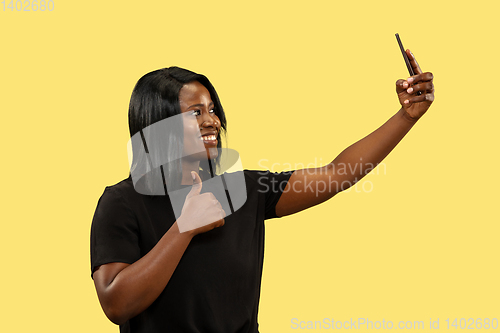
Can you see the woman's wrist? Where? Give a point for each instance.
(407, 117)
(188, 235)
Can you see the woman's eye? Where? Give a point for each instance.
(196, 112)
(212, 111)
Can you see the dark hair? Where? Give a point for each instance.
(156, 97)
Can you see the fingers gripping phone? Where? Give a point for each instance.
(407, 61)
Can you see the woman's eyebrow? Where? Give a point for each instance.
(200, 105)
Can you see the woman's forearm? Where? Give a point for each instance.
(360, 158)
(135, 287)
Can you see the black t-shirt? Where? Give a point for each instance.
(216, 285)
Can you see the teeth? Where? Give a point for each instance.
(209, 137)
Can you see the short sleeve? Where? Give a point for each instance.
(273, 183)
(114, 233)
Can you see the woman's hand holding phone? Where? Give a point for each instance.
(414, 103)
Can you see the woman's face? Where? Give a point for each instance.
(201, 126)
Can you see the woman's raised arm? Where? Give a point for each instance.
(309, 187)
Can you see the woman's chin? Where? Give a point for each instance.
(212, 153)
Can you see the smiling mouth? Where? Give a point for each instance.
(209, 139)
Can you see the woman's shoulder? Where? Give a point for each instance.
(121, 191)
(265, 179)
(122, 186)
(258, 174)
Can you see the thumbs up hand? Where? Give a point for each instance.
(201, 212)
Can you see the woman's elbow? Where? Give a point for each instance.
(116, 315)
(113, 305)
(114, 308)
(112, 296)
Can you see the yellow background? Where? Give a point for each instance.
(300, 81)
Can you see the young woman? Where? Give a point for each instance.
(201, 271)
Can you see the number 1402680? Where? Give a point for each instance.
(28, 6)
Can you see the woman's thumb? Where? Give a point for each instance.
(196, 189)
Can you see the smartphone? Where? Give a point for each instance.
(407, 61)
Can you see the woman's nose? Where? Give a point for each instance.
(207, 120)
